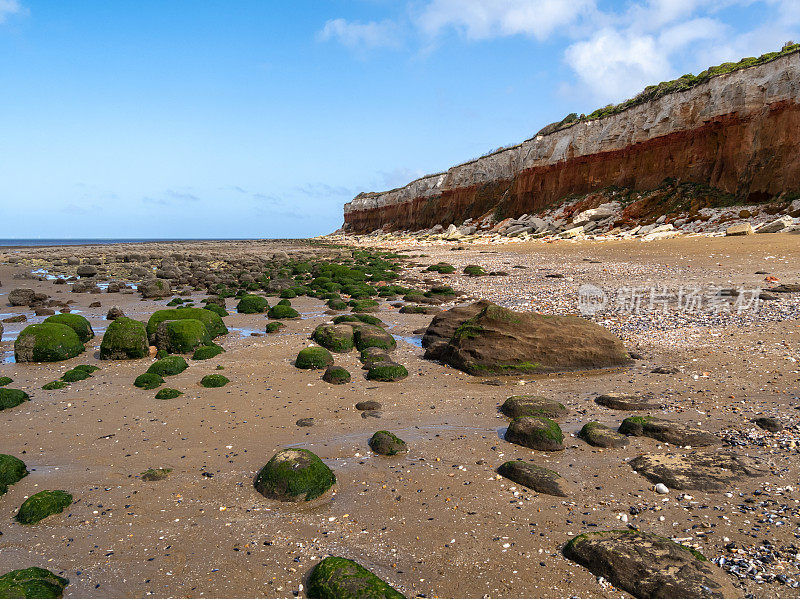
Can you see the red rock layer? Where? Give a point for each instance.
(755, 156)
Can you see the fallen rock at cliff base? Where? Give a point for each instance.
(648, 566)
(698, 471)
(499, 341)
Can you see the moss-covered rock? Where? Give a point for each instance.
(43, 504)
(367, 335)
(337, 304)
(336, 375)
(442, 268)
(473, 270)
(211, 320)
(386, 443)
(356, 318)
(32, 583)
(313, 358)
(274, 327)
(252, 304)
(532, 405)
(168, 393)
(47, 342)
(182, 336)
(387, 372)
(282, 313)
(148, 381)
(217, 309)
(54, 385)
(207, 352)
(76, 322)
(294, 475)
(155, 474)
(288, 294)
(11, 398)
(125, 339)
(90, 368)
(214, 380)
(536, 433)
(12, 470)
(334, 337)
(169, 366)
(75, 375)
(599, 435)
(4, 380)
(285, 302)
(340, 578)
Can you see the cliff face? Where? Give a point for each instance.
(738, 132)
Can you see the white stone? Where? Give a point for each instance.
(777, 225)
(661, 488)
(740, 229)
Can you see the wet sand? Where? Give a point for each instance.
(438, 522)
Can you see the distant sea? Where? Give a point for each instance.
(53, 242)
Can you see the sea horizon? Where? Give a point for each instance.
(33, 242)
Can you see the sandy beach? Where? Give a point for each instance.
(438, 521)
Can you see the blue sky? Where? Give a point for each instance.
(261, 118)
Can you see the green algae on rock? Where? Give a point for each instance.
(532, 405)
(43, 504)
(12, 470)
(54, 385)
(32, 583)
(182, 336)
(76, 322)
(367, 335)
(125, 339)
(11, 398)
(155, 474)
(169, 366)
(294, 475)
(282, 313)
(336, 375)
(334, 337)
(4, 380)
(211, 320)
(168, 393)
(75, 375)
(340, 578)
(387, 372)
(273, 327)
(148, 381)
(535, 432)
(386, 443)
(313, 358)
(47, 342)
(212, 381)
(206, 352)
(252, 304)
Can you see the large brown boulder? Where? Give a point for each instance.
(648, 566)
(486, 339)
(713, 471)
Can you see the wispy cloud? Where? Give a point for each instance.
(182, 195)
(11, 7)
(323, 190)
(357, 35)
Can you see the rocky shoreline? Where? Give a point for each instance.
(348, 358)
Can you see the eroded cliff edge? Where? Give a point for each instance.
(738, 133)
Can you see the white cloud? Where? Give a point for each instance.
(355, 35)
(482, 19)
(10, 7)
(614, 64)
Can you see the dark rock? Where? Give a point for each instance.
(667, 431)
(541, 480)
(650, 567)
(86, 270)
(625, 402)
(386, 443)
(500, 341)
(155, 288)
(372, 414)
(21, 297)
(302, 422)
(773, 425)
(600, 435)
(538, 433)
(665, 370)
(114, 313)
(533, 405)
(365, 406)
(695, 470)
